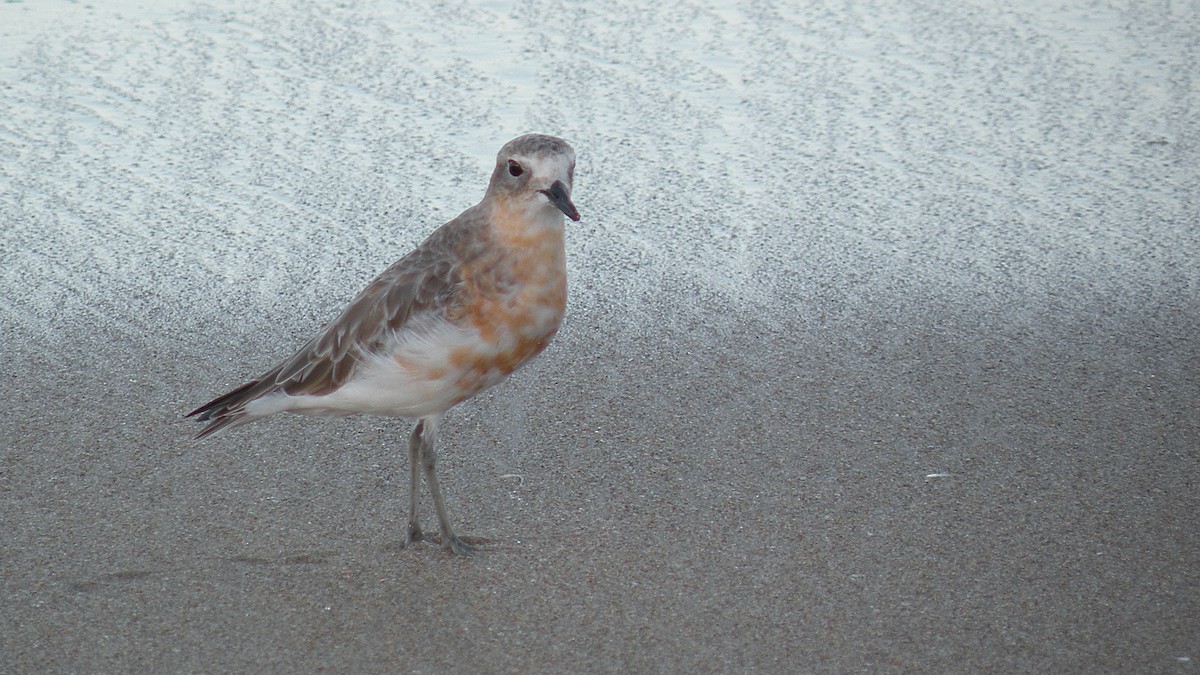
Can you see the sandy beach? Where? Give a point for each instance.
(882, 350)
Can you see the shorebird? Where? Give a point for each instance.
(480, 297)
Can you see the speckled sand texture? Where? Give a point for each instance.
(882, 350)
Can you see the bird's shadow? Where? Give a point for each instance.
(134, 577)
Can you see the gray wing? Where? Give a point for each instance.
(424, 279)
(427, 278)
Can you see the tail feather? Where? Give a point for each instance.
(220, 423)
(226, 409)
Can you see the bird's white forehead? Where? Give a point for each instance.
(556, 164)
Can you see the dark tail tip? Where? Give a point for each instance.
(223, 410)
(217, 425)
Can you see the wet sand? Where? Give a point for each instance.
(881, 354)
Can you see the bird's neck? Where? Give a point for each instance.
(527, 226)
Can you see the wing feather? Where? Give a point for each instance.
(412, 285)
(427, 279)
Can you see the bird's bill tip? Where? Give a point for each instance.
(560, 198)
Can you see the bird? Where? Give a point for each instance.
(479, 298)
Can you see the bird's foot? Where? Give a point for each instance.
(413, 535)
(458, 546)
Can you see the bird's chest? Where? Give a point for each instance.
(514, 304)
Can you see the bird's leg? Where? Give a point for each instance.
(415, 462)
(429, 459)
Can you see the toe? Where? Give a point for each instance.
(459, 547)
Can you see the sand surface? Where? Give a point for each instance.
(882, 353)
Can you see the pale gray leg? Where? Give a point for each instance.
(429, 428)
(415, 462)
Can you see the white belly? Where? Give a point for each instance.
(421, 372)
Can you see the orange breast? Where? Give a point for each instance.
(516, 299)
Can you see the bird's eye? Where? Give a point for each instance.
(514, 169)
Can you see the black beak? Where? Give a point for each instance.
(558, 196)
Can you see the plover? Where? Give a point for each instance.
(480, 297)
